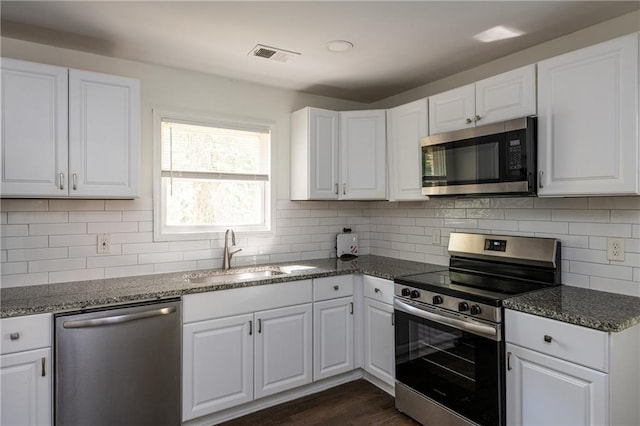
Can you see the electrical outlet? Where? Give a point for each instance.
(435, 237)
(104, 243)
(615, 249)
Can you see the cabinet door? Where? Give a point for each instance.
(104, 135)
(588, 120)
(323, 152)
(217, 365)
(506, 96)
(452, 110)
(406, 124)
(363, 155)
(332, 337)
(34, 129)
(379, 349)
(283, 354)
(542, 390)
(25, 388)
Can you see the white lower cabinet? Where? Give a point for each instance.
(231, 357)
(379, 330)
(379, 352)
(26, 396)
(563, 374)
(332, 337)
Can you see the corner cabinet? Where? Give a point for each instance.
(406, 124)
(508, 95)
(338, 155)
(26, 385)
(564, 374)
(68, 133)
(588, 121)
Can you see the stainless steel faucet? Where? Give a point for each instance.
(226, 255)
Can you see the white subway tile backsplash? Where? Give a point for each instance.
(560, 203)
(473, 203)
(145, 226)
(76, 205)
(37, 254)
(31, 205)
(137, 204)
(165, 267)
(575, 280)
(77, 275)
(137, 216)
(9, 268)
(630, 288)
(104, 216)
(57, 265)
(108, 260)
(37, 217)
(451, 213)
(636, 231)
(584, 255)
(128, 271)
(614, 203)
(131, 237)
(625, 216)
(145, 248)
(72, 240)
(580, 215)
(546, 227)
(9, 243)
(14, 230)
(528, 214)
(189, 245)
(22, 280)
(3, 256)
(636, 274)
(512, 203)
(91, 251)
(3, 218)
(159, 257)
(111, 227)
(485, 214)
(600, 229)
(461, 223)
(58, 229)
(499, 225)
(598, 270)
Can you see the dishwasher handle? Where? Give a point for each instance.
(117, 319)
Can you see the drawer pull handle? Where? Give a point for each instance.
(61, 180)
(336, 287)
(547, 338)
(377, 290)
(44, 360)
(14, 336)
(250, 328)
(259, 325)
(508, 361)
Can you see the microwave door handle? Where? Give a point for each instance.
(471, 327)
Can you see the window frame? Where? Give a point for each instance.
(213, 119)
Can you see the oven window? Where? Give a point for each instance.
(460, 370)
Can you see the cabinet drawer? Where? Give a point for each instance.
(378, 289)
(573, 343)
(332, 287)
(25, 333)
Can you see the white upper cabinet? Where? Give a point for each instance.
(338, 155)
(68, 133)
(406, 124)
(34, 123)
(314, 154)
(502, 97)
(104, 134)
(363, 155)
(588, 121)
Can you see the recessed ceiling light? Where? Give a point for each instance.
(339, 45)
(497, 33)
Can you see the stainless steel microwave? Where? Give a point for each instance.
(498, 158)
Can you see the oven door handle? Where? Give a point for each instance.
(471, 327)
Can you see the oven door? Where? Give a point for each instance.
(451, 359)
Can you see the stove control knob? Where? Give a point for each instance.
(414, 294)
(475, 310)
(437, 300)
(405, 292)
(463, 306)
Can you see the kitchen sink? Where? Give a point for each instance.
(237, 275)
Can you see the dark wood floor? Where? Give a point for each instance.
(355, 403)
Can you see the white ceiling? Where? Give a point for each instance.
(397, 45)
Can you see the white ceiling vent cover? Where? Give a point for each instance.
(273, 53)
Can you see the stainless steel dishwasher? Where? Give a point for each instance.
(119, 366)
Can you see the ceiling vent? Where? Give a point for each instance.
(273, 53)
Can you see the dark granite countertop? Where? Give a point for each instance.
(599, 310)
(54, 298)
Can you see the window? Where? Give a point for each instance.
(211, 175)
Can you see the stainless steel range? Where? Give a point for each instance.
(449, 326)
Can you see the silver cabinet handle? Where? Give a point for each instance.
(75, 181)
(393, 319)
(508, 361)
(477, 118)
(547, 338)
(250, 327)
(336, 287)
(344, 189)
(14, 336)
(469, 121)
(351, 308)
(43, 360)
(376, 290)
(259, 325)
(540, 173)
(61, 180)
(336, 189)
(117, 319)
